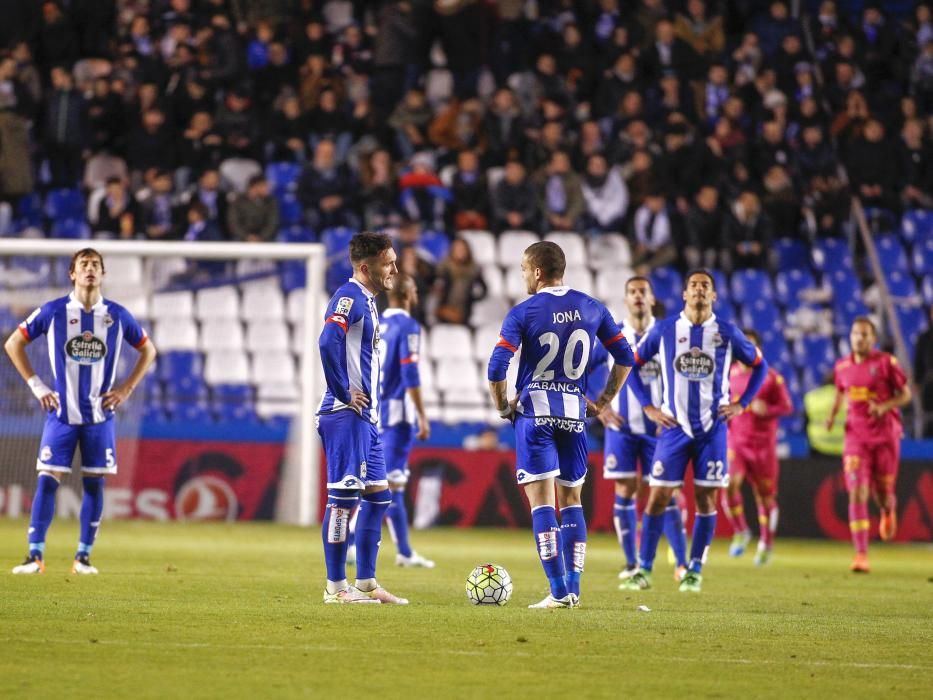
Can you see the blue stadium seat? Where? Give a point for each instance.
(337, 242)
(722, 285)
(762, 315)
(891, 253)
(177, 367)
(290, 210)
(815, 351)
(70, 228)
(233, 402)
(928, 288)
(722, 308)
(811, 377)
(917, 224)
(922, 257)
(296, 233)
(283, 176)
(750, 284)
(667, 283)
(844, 285)
(29, 210)
(65, 204)
(191, 413)
(293, 275)
(337, 273)
(154, 414)
(913, 320)
(789, 283)
(436, 243)
(830, 254)
(774, 347)
(792, 254)
(900, 284)
(845, 312)
(189, 390)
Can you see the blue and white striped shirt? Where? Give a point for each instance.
(399, 347)
(626, 403)
(84, 351)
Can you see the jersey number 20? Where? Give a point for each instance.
(571, 370)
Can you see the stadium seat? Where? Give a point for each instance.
(161, 271)
(917, 225)
(28, 210)
(789, 283)
(512, 246)
(792, 254)
(610, 250)
(337, 273)
(774, 348)
(172, 305)
(134, 299)
(484, 340)
(814, 351)
(438, 86)
(70, 228)
(457, 374)
(232, 401)
(226, 367)
(295, 306)
(293, 275)
(515, 287)
(436, 243)
(750, 285)
(65, 204)
(235, 173)
(494, 279)
(666, 282)
(187, 390)
(291, 212)
(483, 246)
(267, 335)
(762, 315)
(175, 334)
(178, 366)
(465, 406)
(928, 289)
(579, 278)
(124, 271)
(221, 334)
(449, 340)
(337, 243)
(492, 307)
(922, 257)
(426, 374)
(900, 284)
(218, 302)
(610, 283)
(830, 254)
(278, 399)
(844, 285)
(572, 245)
(722, 285)
(283, 176)
(262, 302)
(723, 309)
(845, 312)
(273, 367)
(891, 253)
(93, 204)
(297, 233)
(913, 321)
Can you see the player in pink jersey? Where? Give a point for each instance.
(753, 456)
(875, 387)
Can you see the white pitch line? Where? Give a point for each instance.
(466, 652)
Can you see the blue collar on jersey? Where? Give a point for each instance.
(395, 311)
(711, 319)
(72, 299)
(362, 286)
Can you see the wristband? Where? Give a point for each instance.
(505, 412)
(38, 387)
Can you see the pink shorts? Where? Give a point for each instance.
(756, 462)
(873, 464)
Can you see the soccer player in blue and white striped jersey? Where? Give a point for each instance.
(347, 419)
(85, 334)
(695, 351)
(556, 328)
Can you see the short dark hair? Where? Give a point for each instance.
(752, 335)
(255, 180)
(548, 257)
(366, 245)
(867, 321)
(85, 253)
(639, 278)
(699, 271)
(200, 209)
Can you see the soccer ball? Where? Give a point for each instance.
(489, 584)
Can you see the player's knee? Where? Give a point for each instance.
(626, 488)
(568, 496)
(705, 500)
(396, 486)
(859, 493)
(658, 499)
(53, 475)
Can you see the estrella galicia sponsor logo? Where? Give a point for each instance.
(86, 349)
(649, 371)
(694, 365)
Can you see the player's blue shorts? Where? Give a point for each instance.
(353, 451)
(397, 441)
(708, 453)
(550, 447)
(97, 441)
(626, 454)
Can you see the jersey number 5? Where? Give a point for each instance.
(552, 341)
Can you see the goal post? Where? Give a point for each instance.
(302, 456)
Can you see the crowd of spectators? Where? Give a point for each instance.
(699, 128)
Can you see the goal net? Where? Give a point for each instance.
(222, 427)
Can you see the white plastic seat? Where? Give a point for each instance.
(218, 302)
(236, 172)
(273, 368)
(484, 340)
(579, 278)
(610, 284)
(172, 305)
(572, 244)
(263, 303)
(124, 271)
(278, 399)
(175, 334)
(221, 334)
(489, 310)
(515, 287)
(494, 176)
(438, 86)
(295, 306)
(426, 375)
(468, 405)
(494, 279)
(136, 302)
(267, 335)
(162, 270)
(457, 374)
(449, 340)
(226, 367)
(482, 245)
(512, 245)
(609, 250)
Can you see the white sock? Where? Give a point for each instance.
(366, 584)
(337, 586)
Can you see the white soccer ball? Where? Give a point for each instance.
(489, 584)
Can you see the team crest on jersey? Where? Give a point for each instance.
(45, 454)
(611, 462)
(86, 349)
(344, 304)
(694, 365)
(108, 320)
(657, 469)
(717, 340)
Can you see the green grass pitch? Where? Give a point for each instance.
(231, 611)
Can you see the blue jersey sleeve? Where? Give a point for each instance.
(649, 345)
(133, 333)
(38, 322)
(409, 352)
(745, 351)
(614, 341)
(510, 337)
(342, 312)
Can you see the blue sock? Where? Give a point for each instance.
(398, 523)
(334, 530)
(373, 509)
(573, 538)
(548, 541)
(704, 527)
(351, 535)
(651, 528)
(675, 533)
(92, 506)
(626, 522)
(43, 510)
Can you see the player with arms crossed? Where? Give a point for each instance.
(876, 388)
(85, 333)
(631, 436)
(347, 418)
(696, 351)
(403, 418)
(753, 455)
(556, 328)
